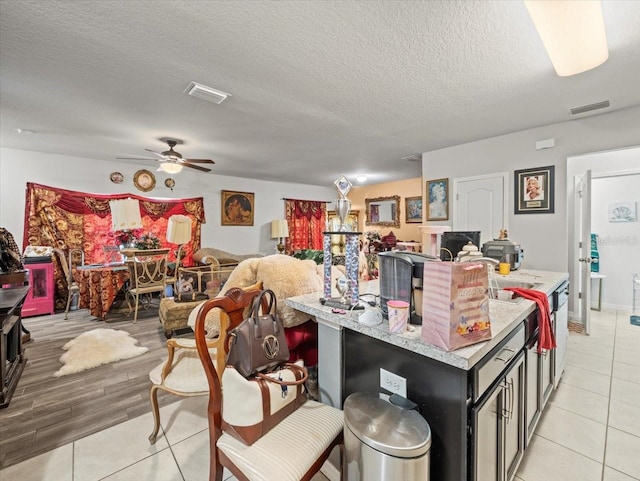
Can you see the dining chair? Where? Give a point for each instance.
(293, 450)
(148, 273)
(182, 373)
(69, 262)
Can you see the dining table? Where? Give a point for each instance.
(99, 285)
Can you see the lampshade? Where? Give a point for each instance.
(572, 32)
(279, 228)
(125, 214)
(179, 229)
(170, 167)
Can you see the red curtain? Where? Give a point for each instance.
(68, 219)
(306, 221)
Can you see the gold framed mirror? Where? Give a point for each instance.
(383, 211)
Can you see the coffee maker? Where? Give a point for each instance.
(400, 278)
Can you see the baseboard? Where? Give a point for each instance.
(330, 471)
(616, 307)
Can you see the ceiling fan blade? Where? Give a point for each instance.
(157, 153)
(200, 161)
(134, 158)
(197, 167)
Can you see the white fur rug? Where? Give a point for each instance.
(97, 347)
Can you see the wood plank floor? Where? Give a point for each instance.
(47, 412)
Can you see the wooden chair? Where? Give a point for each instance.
(182, 373)
(294, 450)
(148, 273)
(68, 262)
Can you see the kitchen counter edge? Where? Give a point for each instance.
(504, 316)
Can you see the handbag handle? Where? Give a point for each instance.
(255, 311)
(291, 367)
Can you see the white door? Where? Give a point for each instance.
(583, 262)
(480, 203)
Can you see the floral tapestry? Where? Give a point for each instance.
(68, 220)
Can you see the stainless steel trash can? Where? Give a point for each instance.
(384, 442)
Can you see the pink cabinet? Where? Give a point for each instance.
(40, 298)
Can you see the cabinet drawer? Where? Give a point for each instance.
(497, 361)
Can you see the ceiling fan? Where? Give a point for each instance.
(172, 161)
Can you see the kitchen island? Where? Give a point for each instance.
(453, 389)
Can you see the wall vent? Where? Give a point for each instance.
(588, 108)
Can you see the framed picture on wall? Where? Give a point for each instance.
(237, 208)
(438, 196)
(534, 190)
(413, 209)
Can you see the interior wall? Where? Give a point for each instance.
(17, 167)
(403, 188)
(544, 237)
(618, 242)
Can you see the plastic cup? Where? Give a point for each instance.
(504, 268)
(398, 316)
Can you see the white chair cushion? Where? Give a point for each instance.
(287, 451)
(187, 374)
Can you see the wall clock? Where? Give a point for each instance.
(144, 180)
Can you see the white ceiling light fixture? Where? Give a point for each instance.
(572, 32)
(170, 167)
(361, 178)
(206, 93)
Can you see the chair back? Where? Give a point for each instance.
(233, 305)
(148, 270)
(69, 261)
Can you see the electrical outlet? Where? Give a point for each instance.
(393, 383)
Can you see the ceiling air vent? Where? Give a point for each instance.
(588, 108)
(206, 93)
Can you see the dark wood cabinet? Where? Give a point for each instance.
(12, 360)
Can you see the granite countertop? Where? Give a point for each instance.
(504, 315)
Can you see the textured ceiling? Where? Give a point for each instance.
(319, 88)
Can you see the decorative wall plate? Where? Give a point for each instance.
(170, 183)
(144, 180)
(116, 177)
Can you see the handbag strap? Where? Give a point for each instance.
(292, 367)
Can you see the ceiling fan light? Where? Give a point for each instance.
(170, 167)
(206, 93)
(572, 32)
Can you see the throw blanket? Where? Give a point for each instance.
(546, 339)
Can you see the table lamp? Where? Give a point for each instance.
(280, 231)
(179, 232)
(125, 217)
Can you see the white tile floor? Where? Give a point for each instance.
(589, 432)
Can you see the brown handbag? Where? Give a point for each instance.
(258, 343)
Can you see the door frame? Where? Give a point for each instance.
(577, 302)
